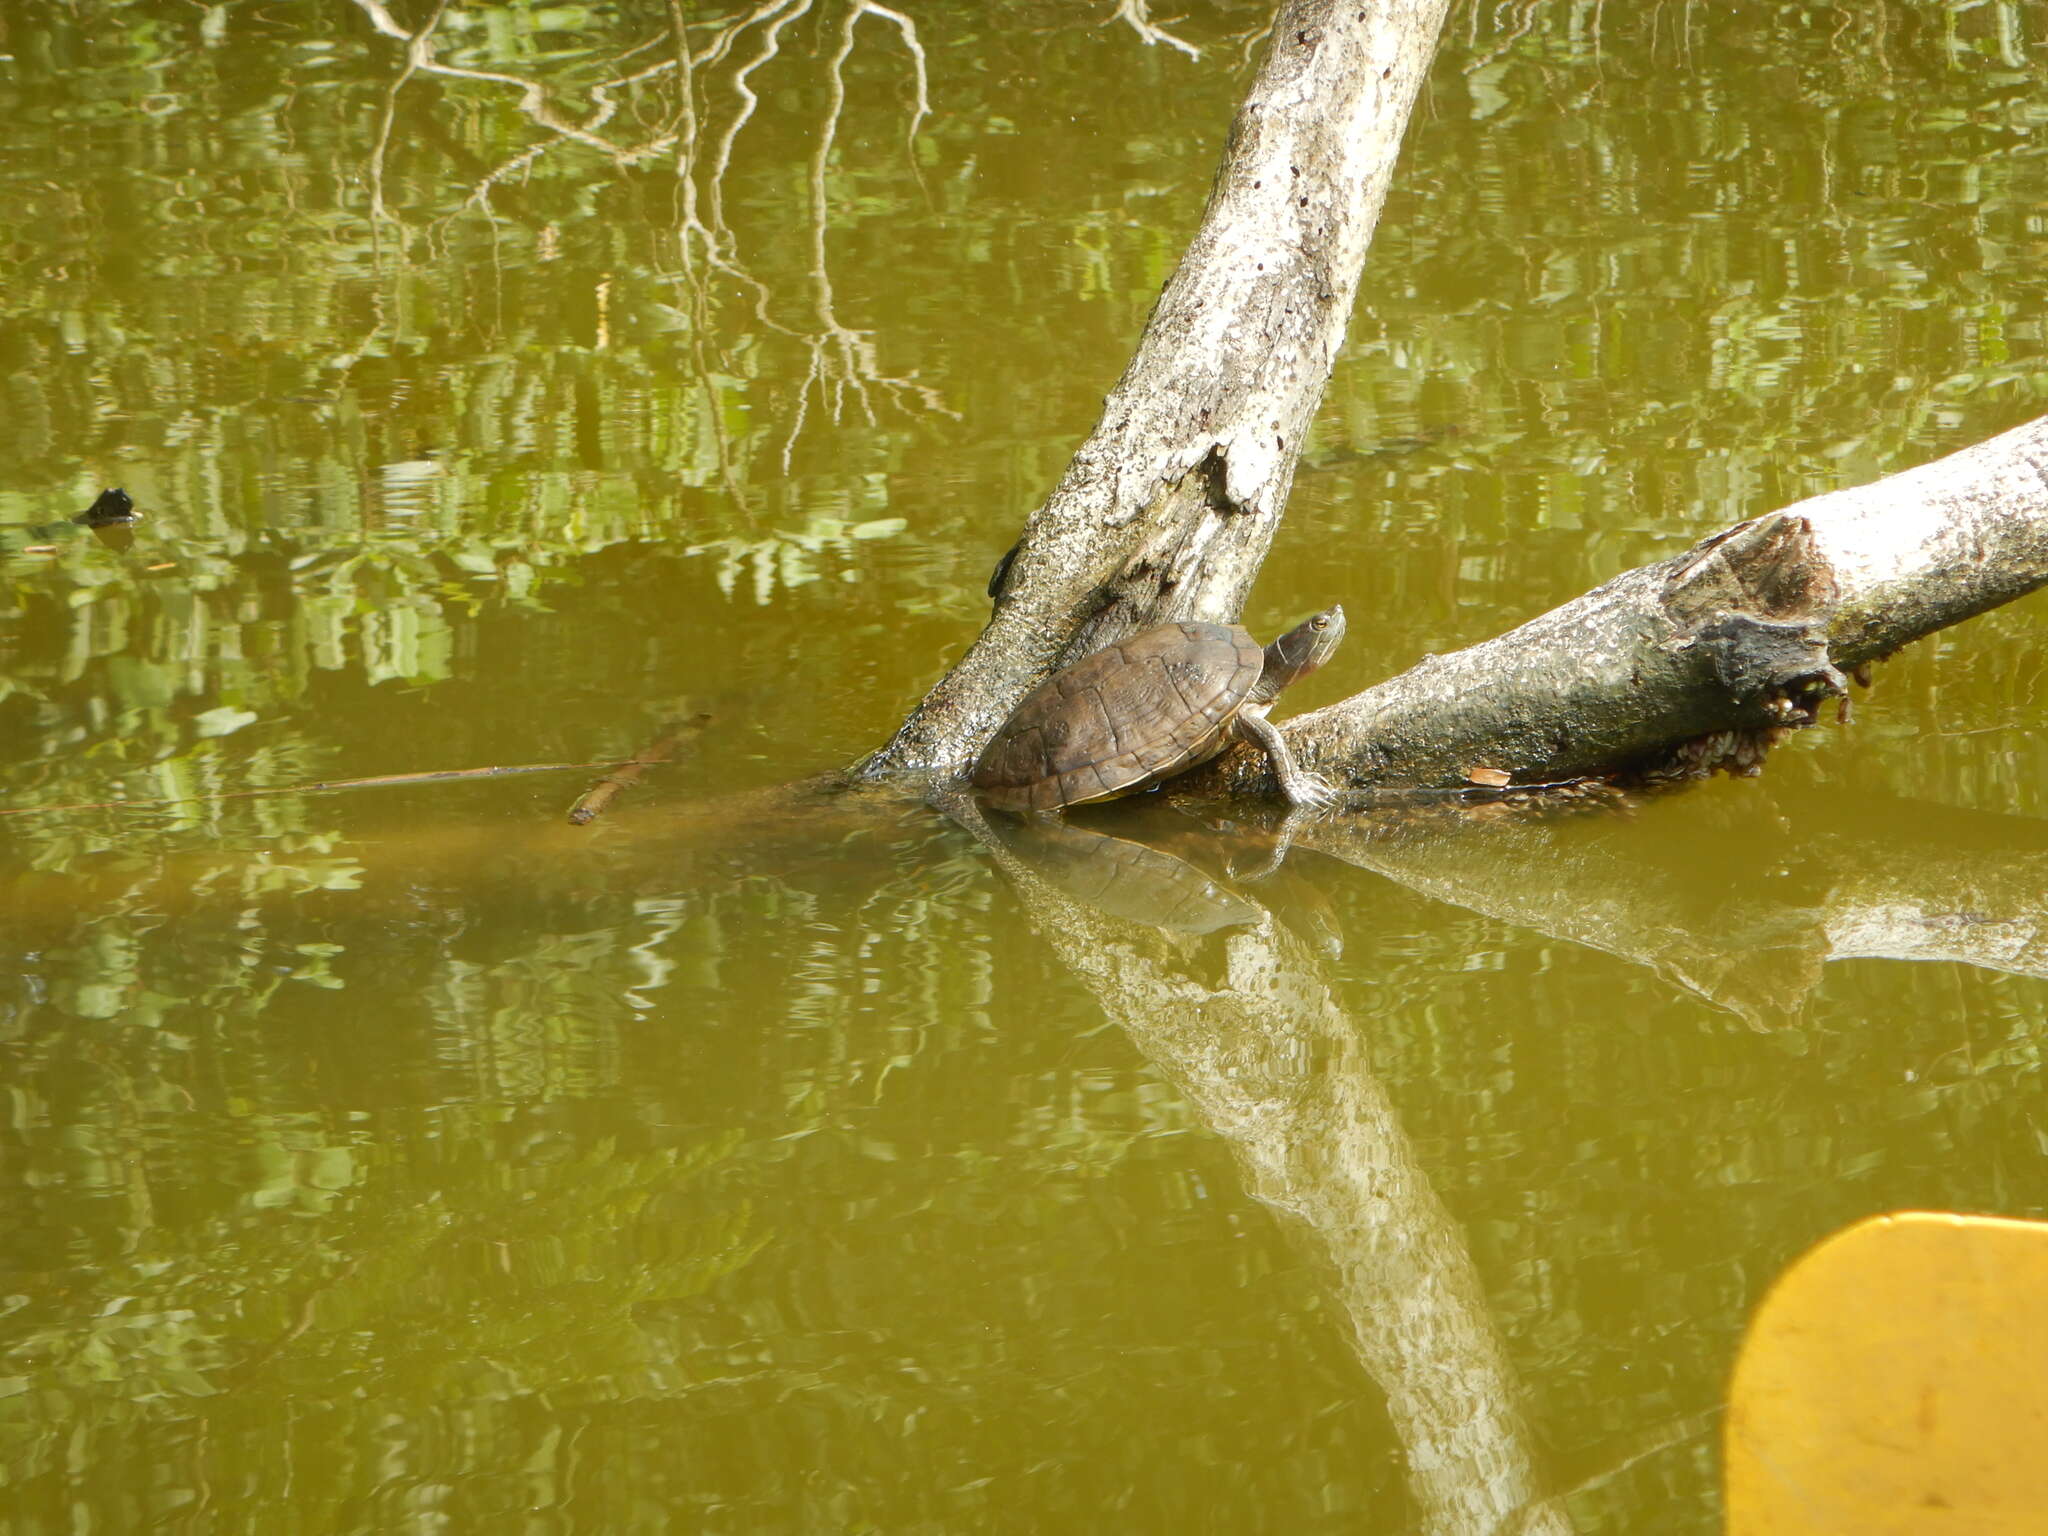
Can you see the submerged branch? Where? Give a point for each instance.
(593, 802)
(1137, 15)
(329, 786)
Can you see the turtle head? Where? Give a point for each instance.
(1301, 650)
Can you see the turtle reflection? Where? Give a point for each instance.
(1124, 878)
(1156, 865)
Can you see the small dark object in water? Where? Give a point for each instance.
(113, 507)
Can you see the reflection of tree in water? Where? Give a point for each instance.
(701, 96)
(1243, 1016)
(1273, 1064)
(578, 1259)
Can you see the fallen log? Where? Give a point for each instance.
(1701, 660)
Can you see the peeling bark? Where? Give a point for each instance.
(1167, 510)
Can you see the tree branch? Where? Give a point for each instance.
(1700, 660)
(1167, 510)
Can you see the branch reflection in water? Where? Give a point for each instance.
(1273, 1065)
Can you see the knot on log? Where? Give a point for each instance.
(1783, 669)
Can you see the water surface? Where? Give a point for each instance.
(405, 1158)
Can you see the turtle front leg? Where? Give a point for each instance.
(1298, 785)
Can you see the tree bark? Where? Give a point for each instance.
(1167, 510)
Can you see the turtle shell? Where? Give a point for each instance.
(1122, 719)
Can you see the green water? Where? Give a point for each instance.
(406, 1159)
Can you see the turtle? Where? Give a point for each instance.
(1143, 709)
(112, 508)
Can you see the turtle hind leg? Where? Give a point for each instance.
(1299, 786)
